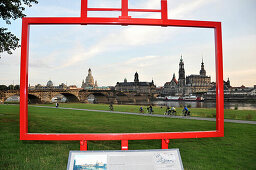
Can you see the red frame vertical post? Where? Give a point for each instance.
(124, 145)
(124, 137)
(124, 9)
(24, 80)
(219, 84)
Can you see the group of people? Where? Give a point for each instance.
(149, 109)
(168, 111)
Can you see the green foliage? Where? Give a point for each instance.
(16, 87)
(236, 107)
(3, 87)
(11, 9)
(11, 87)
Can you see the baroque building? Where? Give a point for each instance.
(198, 83)
(89, 81)
(170, 88)
(49, 86)
(186, 85)
(136, 86)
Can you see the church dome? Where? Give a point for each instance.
(89, 81)
(49, 83)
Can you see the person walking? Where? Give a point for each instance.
(151, 109)
(111, 107)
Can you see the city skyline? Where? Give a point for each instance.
(115, 52)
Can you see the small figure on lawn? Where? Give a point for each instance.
(167, 110)
(141, 109)
(173, 110)
(111, 107)
(151, 109)
(185, 111)
(57, 104)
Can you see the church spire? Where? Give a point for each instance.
(181, 73)
(202, 71)
(136, 77)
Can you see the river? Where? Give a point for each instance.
(227, 105)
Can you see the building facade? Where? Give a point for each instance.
(136, 86)
(186, 85)
(198, 83)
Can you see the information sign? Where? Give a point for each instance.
(164, 159)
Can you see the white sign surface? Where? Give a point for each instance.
(164, 159)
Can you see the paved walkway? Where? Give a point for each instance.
(154, 115)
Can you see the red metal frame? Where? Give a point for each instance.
(124, 19)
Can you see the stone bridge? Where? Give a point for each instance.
(84, 96)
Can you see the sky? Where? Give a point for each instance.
(64, 53)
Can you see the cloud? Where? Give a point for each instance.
(123, 39)
(187, 8)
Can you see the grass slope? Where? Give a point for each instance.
(237, 150)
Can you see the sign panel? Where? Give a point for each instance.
(164, 159)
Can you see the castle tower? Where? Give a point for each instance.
(136, 77)
(181, 73)
(202, 71)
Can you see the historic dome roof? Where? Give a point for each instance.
(89, 81)
(49, 83)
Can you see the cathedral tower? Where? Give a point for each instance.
(136, 77)
(202, 71)
(181, 73)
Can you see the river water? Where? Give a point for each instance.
(227, 105)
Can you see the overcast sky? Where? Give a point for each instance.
(64, 53)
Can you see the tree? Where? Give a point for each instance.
(3, 87)
(11, 9)
(11, 87)
(16, 87)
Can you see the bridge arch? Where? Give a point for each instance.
(122, 98)
(97, 97)
(71, 98)
(33, 99)
(12, 98)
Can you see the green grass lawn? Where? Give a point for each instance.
(237, 150)
(197, 112)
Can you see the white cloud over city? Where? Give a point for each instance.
(65, 53)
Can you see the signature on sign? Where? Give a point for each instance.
(164, 158)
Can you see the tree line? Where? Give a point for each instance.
(10, 87)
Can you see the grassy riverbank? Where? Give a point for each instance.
(197, 112)
(237, 150)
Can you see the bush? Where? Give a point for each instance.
(236, 107)
(189, 105)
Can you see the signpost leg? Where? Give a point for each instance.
(165, 143)
(83, 145)
(124, 144)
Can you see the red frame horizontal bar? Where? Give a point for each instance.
(119, 9)
(119, 136)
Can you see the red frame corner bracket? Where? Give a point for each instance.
(124, 19)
